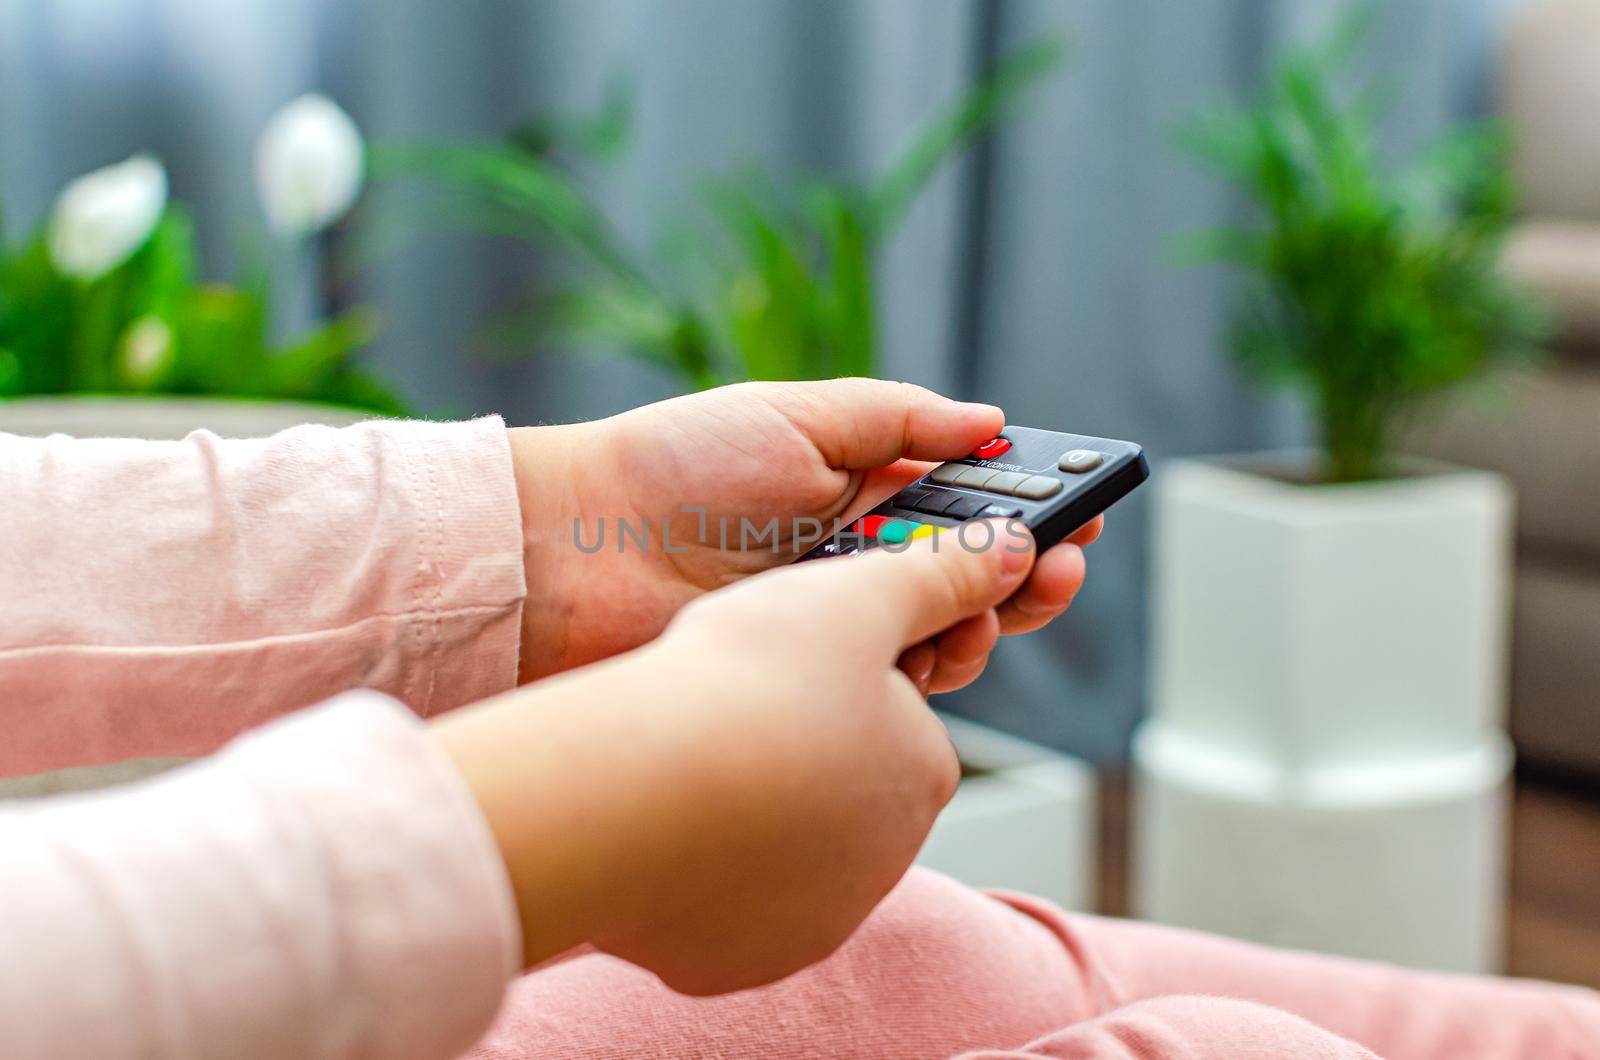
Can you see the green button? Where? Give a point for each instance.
(895, 531)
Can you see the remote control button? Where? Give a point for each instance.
(894, 531)
(1038, 487)
(1078, 461)
(946, 474)
(975, 477)
(1000, 511)
(912, 498)
(869, 525)
(925, 530)
(964, 507)
(937, 501)
(991, 449)
(1005, 482)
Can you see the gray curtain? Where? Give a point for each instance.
(1035, 274)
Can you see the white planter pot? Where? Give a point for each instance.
(153, 418)
(1324, 764)
(1025, 820)
(163, 417)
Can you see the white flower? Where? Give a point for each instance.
(308, 165)
(146, 350)
(101, 218)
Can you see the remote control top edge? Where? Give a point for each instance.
(1054, 481)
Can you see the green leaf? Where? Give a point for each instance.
(99, 315)
(361, 390)
(600, 138)
(164, 270)
(848, 295)
(36, 312)
(222, 346)
(1233, 244)
(12, 378)
(309, 367)
(510, 191)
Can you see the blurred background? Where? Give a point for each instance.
(1036, 272)
(570, 159)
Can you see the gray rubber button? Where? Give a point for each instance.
(1078, 461)
(945, 474)
(1005, 482)
(975, 477)
(1038, 487)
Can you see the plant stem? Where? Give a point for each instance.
(93, 335)
(1354, 431)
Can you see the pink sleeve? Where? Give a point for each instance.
(1187, 1028)
(160, 597)
(324, 887)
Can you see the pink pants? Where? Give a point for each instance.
(941, 970)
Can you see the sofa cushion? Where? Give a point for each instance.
(1549, 87)
(1542, 432)
(1560, 260)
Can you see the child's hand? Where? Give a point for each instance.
(725, 805)
(756, 451)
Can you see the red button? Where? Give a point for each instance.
(991, 449)
(869, 525)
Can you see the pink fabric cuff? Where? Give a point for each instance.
(467, 594)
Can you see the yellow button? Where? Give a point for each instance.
(925, 530)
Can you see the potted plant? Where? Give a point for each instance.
(107, 329)
(1324, 761)
(778, 285)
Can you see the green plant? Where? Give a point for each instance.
(106, 296)
(1369, 290)
(150, 326)
(781, 286)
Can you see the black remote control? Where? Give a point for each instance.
(1053, 482)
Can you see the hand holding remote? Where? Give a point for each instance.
(750, 784)
(758, 451)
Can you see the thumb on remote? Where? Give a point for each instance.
(900, 597)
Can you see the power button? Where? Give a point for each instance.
(991, 449)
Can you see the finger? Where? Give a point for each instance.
(917, 662)
(1089, 532)
(900, 596)
(880, 483)
(1056, 579)
(963, 651)
(949, 679)
(861, 423)
(927, 736)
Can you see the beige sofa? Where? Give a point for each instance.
(1544, 432)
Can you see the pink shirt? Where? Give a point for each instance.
(160, 598)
